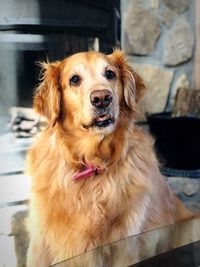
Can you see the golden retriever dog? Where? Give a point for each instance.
(95, 177)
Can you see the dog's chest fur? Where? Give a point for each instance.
(97, 210)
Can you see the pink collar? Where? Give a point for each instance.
(88, 172)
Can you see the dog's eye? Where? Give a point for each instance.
(75, 80)
(110, 75)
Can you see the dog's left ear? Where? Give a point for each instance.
(132, 82)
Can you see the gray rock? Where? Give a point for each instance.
(176, 184)
(157, 80)
(188, 190)
(13, 236)
(141, 29)
(193, 206)
(6, 215)
(167, 16)
(177, 5)
(155, 4)
(179, 43)
(21, 237)
(191, 188)
(181, 82)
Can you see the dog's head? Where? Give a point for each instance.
(88, 91)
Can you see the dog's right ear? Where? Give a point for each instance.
(47, 98)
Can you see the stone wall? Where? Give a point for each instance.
(159, 37)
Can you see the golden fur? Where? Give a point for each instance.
(130, 196)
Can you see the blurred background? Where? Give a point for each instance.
(161, 39)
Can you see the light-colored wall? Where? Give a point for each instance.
(159, 38)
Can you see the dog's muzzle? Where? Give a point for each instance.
(101, 100)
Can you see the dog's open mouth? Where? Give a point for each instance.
(101, 121)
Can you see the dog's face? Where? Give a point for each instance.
(91, 91)
(87, 91)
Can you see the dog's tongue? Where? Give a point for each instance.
(88, 172)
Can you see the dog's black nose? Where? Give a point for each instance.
(101, 98)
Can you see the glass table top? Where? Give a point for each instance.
(176, 245)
